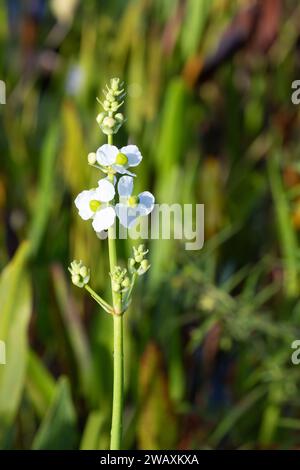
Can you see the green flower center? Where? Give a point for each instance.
(121, 159)
(133, 201)
(94, 205)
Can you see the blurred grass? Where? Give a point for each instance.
(208, 335)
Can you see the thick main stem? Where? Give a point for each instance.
(117, 413)
(118, 386)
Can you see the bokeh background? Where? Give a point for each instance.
(208, 336)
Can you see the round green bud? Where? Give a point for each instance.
(92, 158)
(119, 117)
(114, 105)
(141, 248)
(76, 279)
(94, 205)
(100, 118)
(75, 266)
(121, 159)
(133, 201)
(115, 286)
(83, 271)
(109, 122)
(126, 282)
(145, 264)
(114, 84)
(139, 258)
(110, 97)
(107, 130)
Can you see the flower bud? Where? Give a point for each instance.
(92, 158)
(115, 106)
(76, 280)
(115, 286)
(107, 130)
(119, 117)
(138, 258)
(126, 282)
(110, 97)
(109, 122)
(80, 274)
(114, 84)
(100, 117)
(144, 266)
(83, 271)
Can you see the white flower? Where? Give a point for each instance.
(119, 160)
(131, 207)
(93, 204)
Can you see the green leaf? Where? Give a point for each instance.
(15, 300)
(40, 385)
(94, 435)
(287, 235)
(197, 13)
(58, 430)
(157, 423)
(45, 194)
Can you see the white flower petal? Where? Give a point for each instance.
(104, 219)
(82, 202)
(106, 154)
(105, 190)
(122, 170)
(125, 186)
(129, 173)
(133, 154)
(128, 216)
(146, 202)
(119, 169)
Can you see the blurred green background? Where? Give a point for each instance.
(208, 336)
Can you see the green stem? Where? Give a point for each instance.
(117, 413)
(99, 300)
(117, 405)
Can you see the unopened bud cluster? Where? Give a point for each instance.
(138, 264)
(110, 120)
(80, 274)
(119, 279)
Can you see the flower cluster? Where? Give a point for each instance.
(114, 198)
(120, 279)
(110, 120)
(114, 194)
(80, 274)
(123, 280)
(98, 204)
(138, 264)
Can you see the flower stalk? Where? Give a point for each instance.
(118, 354)
(112, 199)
